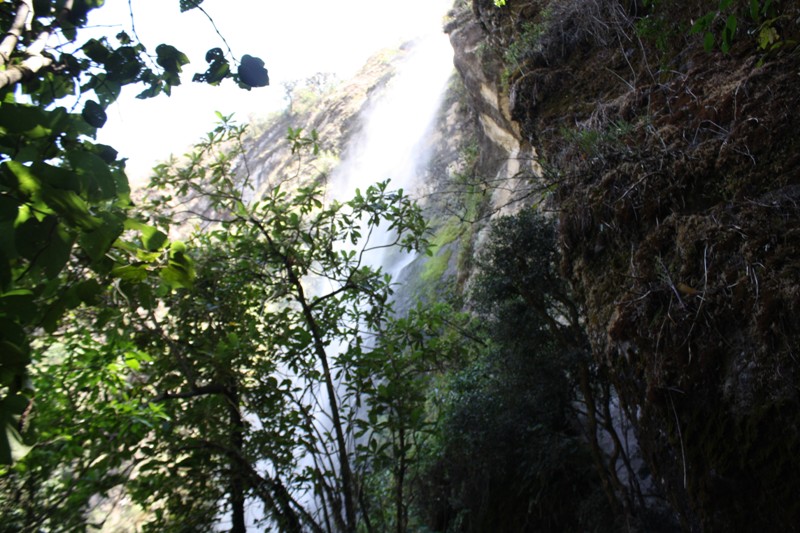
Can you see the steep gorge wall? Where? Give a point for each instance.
(676, 174)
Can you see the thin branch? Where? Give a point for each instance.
(213, 25)
(192, 393)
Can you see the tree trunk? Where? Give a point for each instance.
(399, 482)
(236, 481)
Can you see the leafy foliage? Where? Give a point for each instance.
(67, 231)
(88, 418)
(395, 379)
(769, 21)
(511, 453)
(247, 357)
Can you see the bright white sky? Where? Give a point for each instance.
(295, 38)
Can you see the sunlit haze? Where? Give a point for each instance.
(295, 40)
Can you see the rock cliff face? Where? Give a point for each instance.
(505, 156)
(333, 112)
(676, 180)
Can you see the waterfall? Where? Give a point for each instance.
(391, 144)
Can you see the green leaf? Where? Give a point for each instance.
(107, 153)
(218, 68)
(134, 273)
(18, 305)
(708, 41)
(54, 256)
(9, 207)
(133, 363)
(767, 36)
(56, 177)
(702, 23)
(124, 65)
(70, 206)
(151, 92)
(177, 276)
(12, 447)
(94, 174)
(14, 349)
(20, 178)
(96, 51)
(107, 91)
(146, 297)
(52, 315)
(88, 291)
(152, 238)
(170, 58)
(32, 235)
(730, 29)
(31, 121)
(98, 241)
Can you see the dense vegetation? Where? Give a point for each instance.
(583, 380)
(258, 359)
(65, 205)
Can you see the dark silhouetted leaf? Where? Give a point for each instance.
(123, 65)
(96, 51)
(94, 114)
(252, 72)
(170, 58)
(186, 5)
(218, 68)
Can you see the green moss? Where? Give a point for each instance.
(436, 266)
(448, 232)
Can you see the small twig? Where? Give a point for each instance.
(211, 20)
(680, 437)
(628, 191)
(626, 302)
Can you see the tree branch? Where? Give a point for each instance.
(205, 390)
(24, 71)
(22, 20)
(35, 60)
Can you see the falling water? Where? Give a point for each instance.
(392, 145)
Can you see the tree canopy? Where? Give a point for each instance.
(67, 231)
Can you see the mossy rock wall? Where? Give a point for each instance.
(678, 197)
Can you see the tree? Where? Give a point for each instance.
(242, 360)
(394, 380)
(511, 454)
(65, 199)
(307, 260)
